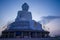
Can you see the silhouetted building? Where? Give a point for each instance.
(24, 26)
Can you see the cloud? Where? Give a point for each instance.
(46, 19)
(51, 24)
(54, 27)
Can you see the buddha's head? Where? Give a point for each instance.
(25, 7)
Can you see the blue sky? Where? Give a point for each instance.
(38, 8)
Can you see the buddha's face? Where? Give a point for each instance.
(25, 7)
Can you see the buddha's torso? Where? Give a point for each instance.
(24, 15)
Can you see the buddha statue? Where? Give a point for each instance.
(24, 20)
(24, 15)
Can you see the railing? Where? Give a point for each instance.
(29, 38)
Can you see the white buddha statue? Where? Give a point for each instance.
(24, 15)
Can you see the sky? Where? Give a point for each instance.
(38, 9)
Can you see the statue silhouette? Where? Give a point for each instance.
(24, 20)
(24, 14)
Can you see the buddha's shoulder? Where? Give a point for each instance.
(29, 12)
(23, 11)
(20, 11)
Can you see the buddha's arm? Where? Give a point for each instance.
(18, 16)
(30, 15)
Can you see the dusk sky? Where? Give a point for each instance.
(38, 8)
